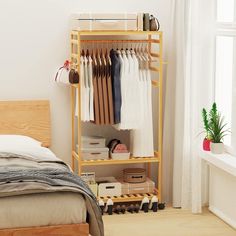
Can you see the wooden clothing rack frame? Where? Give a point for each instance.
(151, 38)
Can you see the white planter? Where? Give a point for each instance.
(217, 148)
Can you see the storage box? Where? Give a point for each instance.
(95, 153)
(108, 186)
(134, 175)
(120, 156)
(93, 141)
(108, 21)
(146, 187)
(88, 177)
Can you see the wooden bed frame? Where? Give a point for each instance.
(32, 118)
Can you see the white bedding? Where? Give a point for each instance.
(42, 209)
(27, 147)
(39, 209)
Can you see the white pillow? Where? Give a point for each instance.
(26, 146)
(17, 140)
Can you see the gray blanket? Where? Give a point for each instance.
(48, 177)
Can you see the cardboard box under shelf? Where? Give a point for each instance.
(137, 188)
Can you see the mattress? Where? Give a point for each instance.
(42, 209)
(38, 189)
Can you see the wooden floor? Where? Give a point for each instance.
(170, 222)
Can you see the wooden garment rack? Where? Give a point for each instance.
(154, 42)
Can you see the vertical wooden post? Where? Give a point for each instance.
(149, 64)
(72, 109)
(79, 106)
(160, 120)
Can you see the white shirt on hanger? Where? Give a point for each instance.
(82, 91)
(141, 139)
(133, 94)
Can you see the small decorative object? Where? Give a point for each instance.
(207, 139)
(154, 23)
(146, 22)
(216, 130)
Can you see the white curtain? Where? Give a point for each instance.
(190, 69)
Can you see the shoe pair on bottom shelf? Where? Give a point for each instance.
(153, 205)
(145, 206)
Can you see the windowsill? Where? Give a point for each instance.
(223, 161)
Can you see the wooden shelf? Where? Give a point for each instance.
(130, 197)
(131, 160)
(115, 32)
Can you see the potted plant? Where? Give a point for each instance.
(217, 130)
(207, 139)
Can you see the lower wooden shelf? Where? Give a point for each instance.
(131, 160)
(130, 197)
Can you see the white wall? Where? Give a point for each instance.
(34, 41)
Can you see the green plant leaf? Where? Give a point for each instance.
(217, 127)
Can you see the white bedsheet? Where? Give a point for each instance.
(42, 209)
(38, 209)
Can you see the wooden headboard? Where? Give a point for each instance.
(30, 118)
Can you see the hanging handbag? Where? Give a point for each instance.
(66, 75)
(73, 76)
(154, 23)
(62, 75)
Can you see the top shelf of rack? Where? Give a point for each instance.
(116, 32)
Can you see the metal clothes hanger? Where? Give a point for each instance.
(149, 57)
(82, 53)
(103, 56)
(108, 56)
(93, 55)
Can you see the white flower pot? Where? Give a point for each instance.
(217, 148)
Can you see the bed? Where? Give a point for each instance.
(39, 195)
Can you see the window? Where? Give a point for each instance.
(225, 65)
(225, 10)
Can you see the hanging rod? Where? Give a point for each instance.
(116, 41)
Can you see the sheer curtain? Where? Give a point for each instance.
(190, 60)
